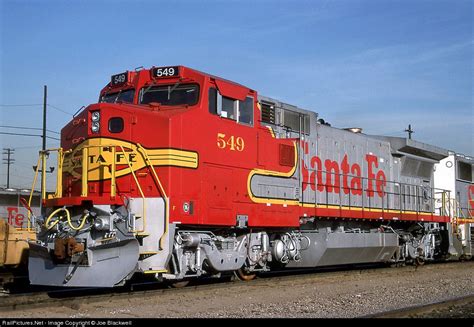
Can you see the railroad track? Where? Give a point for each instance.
(74, 298)
(432, 310)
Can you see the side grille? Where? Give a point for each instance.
(268, 113)
(287, 155)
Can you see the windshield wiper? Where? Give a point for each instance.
(171, 89)
(118, 94)
(142, 92)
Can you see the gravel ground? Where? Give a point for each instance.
(346, 294)
(465, 310)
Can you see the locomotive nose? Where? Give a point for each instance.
(94, 121)
(75, 131)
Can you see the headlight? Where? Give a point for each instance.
(95, 127)
(95, 116)
(101, 223)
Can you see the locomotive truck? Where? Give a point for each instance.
(178, 174)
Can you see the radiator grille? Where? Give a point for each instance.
(268, 113)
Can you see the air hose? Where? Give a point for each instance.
(68, 216)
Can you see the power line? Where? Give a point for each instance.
(34, 105)
(59, 109)
(21, 134)
(24, 134)
(33, 128)
(20, 127)
(19, 176)
(22, 164)
(20, 105)
(30, 147)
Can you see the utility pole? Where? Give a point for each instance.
(44, 116)
(8, 161)
(43, 148)
(409, 131)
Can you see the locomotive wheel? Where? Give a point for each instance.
(243, 275)
(419, 261)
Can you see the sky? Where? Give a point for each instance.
(375, 64)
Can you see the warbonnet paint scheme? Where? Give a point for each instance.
(177, 174)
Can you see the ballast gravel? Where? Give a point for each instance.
(341, 294)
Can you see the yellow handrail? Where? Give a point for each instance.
(32, 190)
(161, 189)
(85, 176)
(113, 186)
(85, 172)
(458, 215)
(59, 174)
(43, 173)
(139, 188)
(112, 182)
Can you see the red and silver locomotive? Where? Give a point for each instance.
(179, 174)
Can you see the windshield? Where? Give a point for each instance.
(171, 95)
(122, 96)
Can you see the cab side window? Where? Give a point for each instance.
(213, 101)
(228, 108)
(240, 111)
(246, 111)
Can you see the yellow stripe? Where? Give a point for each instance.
(154, 271)
(465, 221)
(98, 148)
(324, 206)
(271, 131)
(276, 174)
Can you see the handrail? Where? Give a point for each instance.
(59, 174)
(139, 188)
(414, 198)
(85, 174)
(85, 171)
(142, 150)
(113, 185)
(32, 190)
(459, 217)
(43, 174)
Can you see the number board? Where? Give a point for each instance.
(119, 79)
(164, 72)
